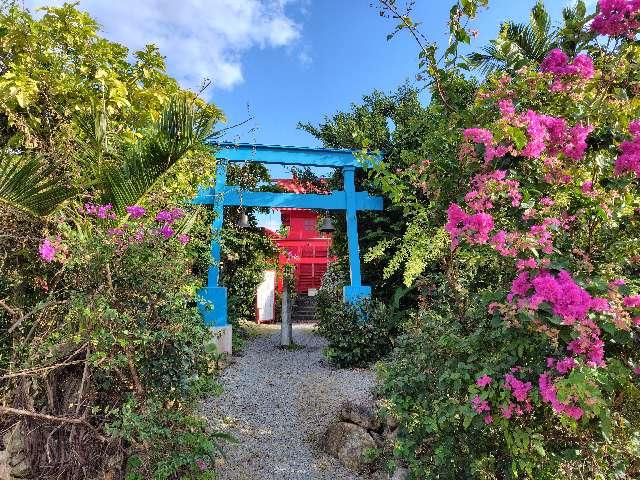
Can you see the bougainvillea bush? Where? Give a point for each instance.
(524, 361)
(103, 355)
(119, 311)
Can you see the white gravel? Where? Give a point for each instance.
(277, 403)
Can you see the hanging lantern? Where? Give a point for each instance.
(327, 225)
(243, 222)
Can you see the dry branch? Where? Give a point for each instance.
(52, 418)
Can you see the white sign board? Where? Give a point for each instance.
(266, 297)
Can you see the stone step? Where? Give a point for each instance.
(304, 309)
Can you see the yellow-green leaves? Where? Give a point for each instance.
(19, 88)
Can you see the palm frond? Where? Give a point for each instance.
(518, 44)
(488, 62)
(180, 128)
(27, 183)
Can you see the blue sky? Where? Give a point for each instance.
(285, 61)
(346, 55)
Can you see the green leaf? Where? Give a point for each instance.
(467, 421)
(518, 137)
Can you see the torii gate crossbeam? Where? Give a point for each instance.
(213, 298)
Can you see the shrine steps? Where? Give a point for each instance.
(304, 309)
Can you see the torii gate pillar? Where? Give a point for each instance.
(356, 291)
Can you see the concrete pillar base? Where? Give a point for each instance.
(222, 338)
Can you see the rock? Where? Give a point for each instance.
(350, 443)
(379, 439)
(21, 469)
(13, 440)
(401, 473)
(360, 415)
(5, 469)
(391, 422)
(15, 459)
(390, 434)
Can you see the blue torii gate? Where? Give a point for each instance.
(213, 298)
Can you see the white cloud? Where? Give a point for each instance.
(304, 57)
(200, 38)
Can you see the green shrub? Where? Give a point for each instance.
(357, 334)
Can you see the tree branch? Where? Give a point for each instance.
(52, 418)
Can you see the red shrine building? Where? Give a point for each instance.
(304, 247)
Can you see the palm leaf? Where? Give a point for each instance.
(518, 44)
(179, 129)
(488, 62)
(27, 183)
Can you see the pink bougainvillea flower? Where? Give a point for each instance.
(565, 365)
(552, 135)
(47, 250)
(587, 187)
(547, 202)
(135, 211)
(480, 405)
(548, 392)
(483, 381)
(201, 464)
(100, 211)
(599, 304)
(520, 286)
(115, 232)
(576, 143)
(632, 302)
(518, 388)
(138, 236)
(634, 128)
(90, 208)
(164, 216)
(176, 213)
(583, 66)
(166, 231)
(506, 108)
(104, 211)
(507, 411)
(574, 412)
(567, 299)
(557, 62)
(526, 263)
(183, 238)
(617, 18)
(618, 282)
(479, 135)
(488, 419)
(629, 160)
(588, 344)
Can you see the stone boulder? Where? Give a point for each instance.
(14, 463)
(349, 443)
(5, 468)
(362, 415)
(400, 473)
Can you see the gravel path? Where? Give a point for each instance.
(277, 403)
